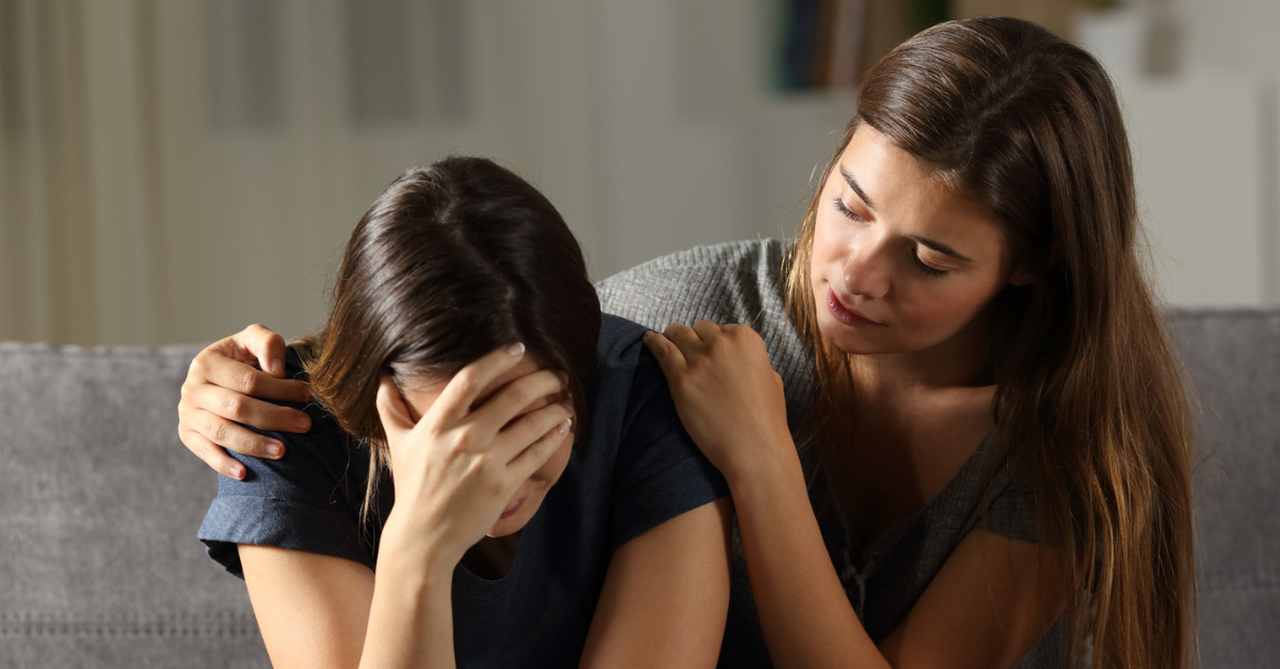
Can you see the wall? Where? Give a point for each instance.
(1237, 39)
(204, 192)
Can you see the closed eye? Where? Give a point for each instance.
(926, 268)
(845, 210)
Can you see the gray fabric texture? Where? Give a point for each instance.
(738, 282)
(99, 502)
(742, 282)
(1233, 359)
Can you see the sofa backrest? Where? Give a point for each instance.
(99, 504)
(1233, 358)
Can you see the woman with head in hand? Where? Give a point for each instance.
(494, 475)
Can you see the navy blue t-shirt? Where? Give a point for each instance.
(638, 469)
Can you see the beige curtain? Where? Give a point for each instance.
(92, 122)
(172, 170)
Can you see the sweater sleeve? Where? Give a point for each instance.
(737, 282)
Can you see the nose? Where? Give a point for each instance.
(866, 269)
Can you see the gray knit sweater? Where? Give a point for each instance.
(742, 282)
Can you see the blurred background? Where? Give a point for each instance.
(172, 170)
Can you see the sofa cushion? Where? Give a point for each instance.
(1233, 358)
(99, 505)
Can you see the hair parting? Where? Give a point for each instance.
(451, 261)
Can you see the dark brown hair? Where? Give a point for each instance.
(1090, 394)
(450, 262)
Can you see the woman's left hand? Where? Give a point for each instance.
(727, 394)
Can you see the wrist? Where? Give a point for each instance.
(772, 459)
(408, 547)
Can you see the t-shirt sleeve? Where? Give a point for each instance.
(309, 500)
(660, 472)
(1012, 511)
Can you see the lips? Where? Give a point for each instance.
(846, 315)
(515, 506)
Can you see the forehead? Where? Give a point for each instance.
(420, 395)
(908, 193)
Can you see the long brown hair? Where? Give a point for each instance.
(1090, 394)
(451, 261)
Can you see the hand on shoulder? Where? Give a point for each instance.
(233, 381)
(728, 396)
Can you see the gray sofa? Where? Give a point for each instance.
(99, 505)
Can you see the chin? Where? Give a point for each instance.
(845, 338)
(515, 523)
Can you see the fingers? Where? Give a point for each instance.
(266, 346)
(679, 343)
(465, 387)
(215, 457)
(670, 358)
(744, 335)
(234, 406)
(707, 330)
(527, 461)
(214, 367)
(392, 410)
(529, 429)
(219, 431)
(519, 396)
(691, 339)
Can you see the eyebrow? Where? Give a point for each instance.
(853, 183)
(925, 241)
(939, 247)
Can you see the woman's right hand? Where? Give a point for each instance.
(226, 384)
(458, 466)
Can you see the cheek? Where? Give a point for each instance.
(828, 244)
(937, 309)
(944, 310)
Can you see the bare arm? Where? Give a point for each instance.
(666, 595)
(988, 605)
(663, 605)
(1008, 593)
(312, 609)
(315, 610)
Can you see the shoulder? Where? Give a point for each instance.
(627, 375)
(737, 282)
(639, 456)
(308, 500)
(723, 282)
(1002, 482)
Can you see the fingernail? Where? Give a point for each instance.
(302, 422)
(564, 378)
(237, 472)
(564, 427)
(567, 405)
(516, 348)
(274, 449)
(277, 367)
